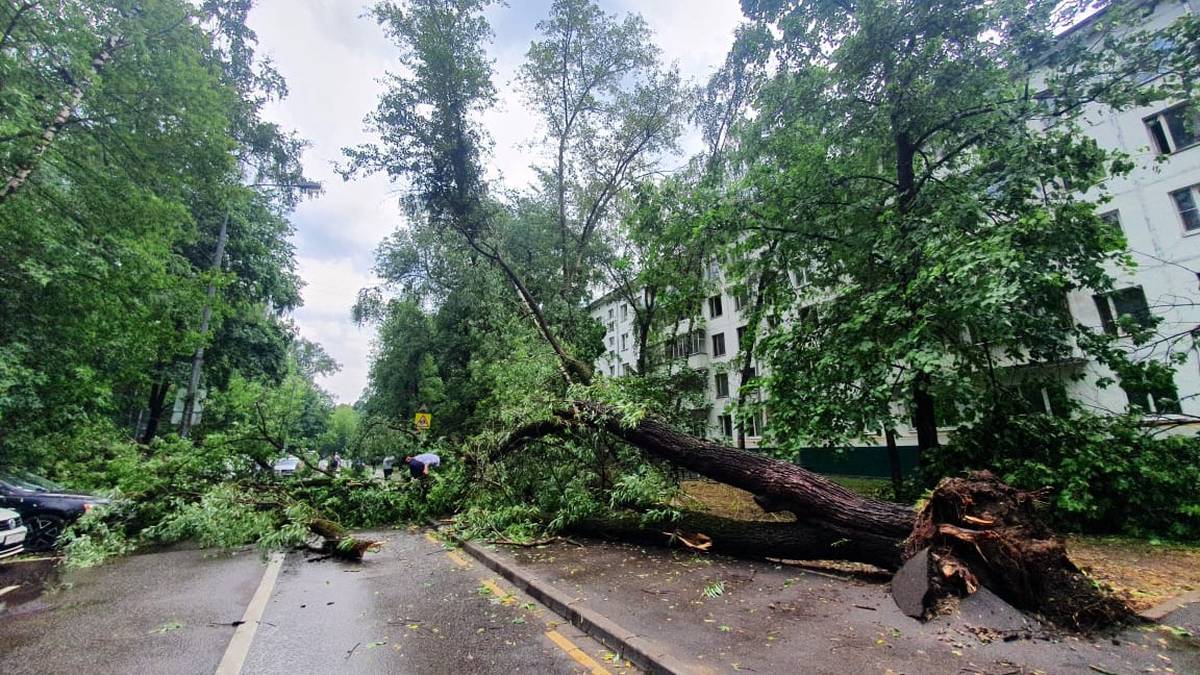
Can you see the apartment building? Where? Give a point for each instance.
(1157, 207)
(710, 344)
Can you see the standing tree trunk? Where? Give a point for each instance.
(157, 403)
(60, 120)
(924, 416)
(894, 463)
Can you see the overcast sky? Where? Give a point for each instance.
(333, 58)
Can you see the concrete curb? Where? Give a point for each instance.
(646, 654)
(1158, 612)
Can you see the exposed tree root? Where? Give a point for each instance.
(981, 531)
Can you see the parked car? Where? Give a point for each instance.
(46, 507)
(286, 466)
(12, 533)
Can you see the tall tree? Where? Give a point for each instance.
(902, 166)
(122, 128)
(609, 109)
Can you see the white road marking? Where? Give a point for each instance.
(8, 589)
(239, 645)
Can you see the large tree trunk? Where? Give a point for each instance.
(788, 541)
(979, 530)
(817, 501)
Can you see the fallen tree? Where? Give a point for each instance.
(431, 136)
(975, 530)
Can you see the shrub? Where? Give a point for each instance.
(1107, 474)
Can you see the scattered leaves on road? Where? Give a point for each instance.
(168, 627)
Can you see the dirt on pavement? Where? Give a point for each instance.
(724, 615)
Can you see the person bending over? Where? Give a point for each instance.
(419, 466)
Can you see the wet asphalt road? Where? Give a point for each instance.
(412, 607)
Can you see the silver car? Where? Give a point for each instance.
(12, 533)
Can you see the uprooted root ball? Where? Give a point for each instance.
(981, 531)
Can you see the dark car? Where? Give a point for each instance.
(46, 507)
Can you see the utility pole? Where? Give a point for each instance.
(306, 187)
(189, 404)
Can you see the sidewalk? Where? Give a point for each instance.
(706, 613)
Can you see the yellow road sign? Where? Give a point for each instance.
(422, 420)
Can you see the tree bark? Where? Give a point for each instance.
(60, 121)
(158, 397)
(894, 462)
(754, 539)
(980, 530)
(873, 525)
(924, 415)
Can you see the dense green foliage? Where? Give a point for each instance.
(893, 189)
(127, 130)
(1103, 474)
(128, 134)
(885, 188)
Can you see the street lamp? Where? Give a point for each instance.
(306, 187)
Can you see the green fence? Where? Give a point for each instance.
(858, 461)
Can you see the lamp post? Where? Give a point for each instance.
(189, 405)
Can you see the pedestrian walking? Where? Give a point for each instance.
(388, 463)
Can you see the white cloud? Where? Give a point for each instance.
(333, 58)
(332, 285)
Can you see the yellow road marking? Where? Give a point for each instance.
(492, 586)
(458, 559)
(576, 653)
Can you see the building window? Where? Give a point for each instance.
(714, 306)
(741, 337)
(610, 313)
(1130, 302)
(1044, 398)
(627, 369)
(722, 382)
(1152, 400)
(1185, 203)
(1112, 219)
(740, 299)
(683, 346)
(1174, 129)
(749, 386)
(726, 423)
(750, 424)
(612, 342)
(624, 341)
(713, 270)
(612, 326)
(1161, 46)
(808, 315)
(625, 312)
(718, 342)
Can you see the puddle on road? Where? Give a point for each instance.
(31, 577)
